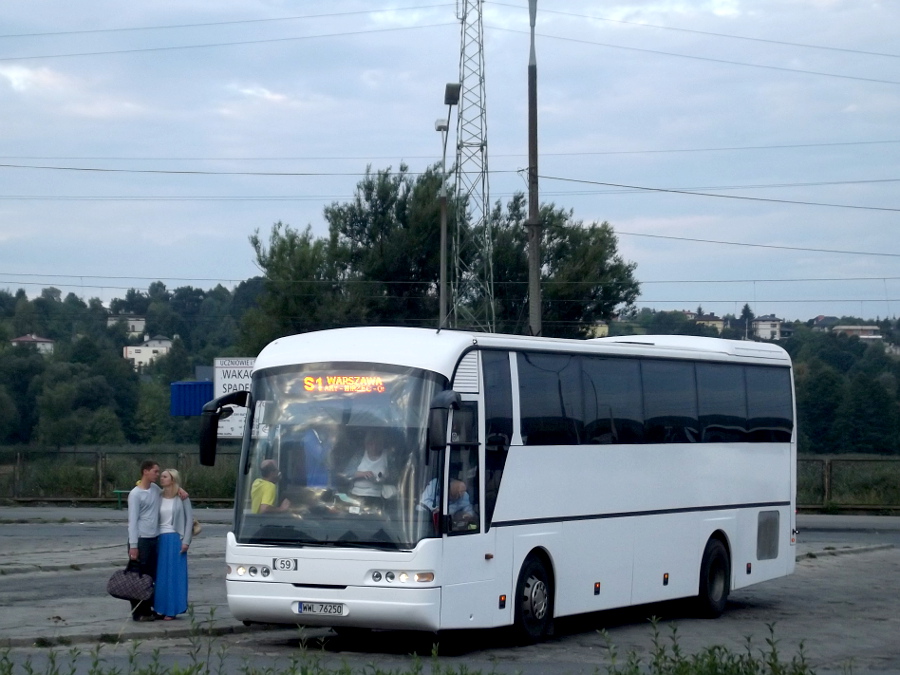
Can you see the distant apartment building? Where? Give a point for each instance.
(712, 321)
(767, 327)
(135, 325)
(864, 333)
(43, 345)
(145, 353)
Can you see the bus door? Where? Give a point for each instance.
(467, 569)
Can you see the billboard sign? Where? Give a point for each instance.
(232, 374)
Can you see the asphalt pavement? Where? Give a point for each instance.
(99, 617)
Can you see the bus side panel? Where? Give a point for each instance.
(468, 572)
(598, 552)
(747, 568)
(667, 553)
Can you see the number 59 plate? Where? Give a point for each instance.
(284, 564)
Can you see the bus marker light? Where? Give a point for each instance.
(749, 567)
(227, 570)
(597, 588)
(502, 602)
(424, 577)
(666, 579)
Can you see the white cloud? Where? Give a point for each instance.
(261, 93)
(42, 80)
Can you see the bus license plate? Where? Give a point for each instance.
(332, 608)
(284, 564)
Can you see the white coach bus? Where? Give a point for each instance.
(402, 478)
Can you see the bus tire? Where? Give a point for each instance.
(534, 602)
(715, 580)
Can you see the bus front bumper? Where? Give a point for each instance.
(363, 607)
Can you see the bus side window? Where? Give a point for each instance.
(670, 402)
(770, 413)
(723, 402)
(498, 424)
(463, 500)
(550, 398)
(613, 400)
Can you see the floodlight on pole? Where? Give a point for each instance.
(451, 98)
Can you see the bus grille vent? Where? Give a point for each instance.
(466, 379)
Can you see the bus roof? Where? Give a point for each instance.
(440, 351)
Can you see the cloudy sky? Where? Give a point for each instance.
(745, 152)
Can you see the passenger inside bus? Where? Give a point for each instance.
(369, 474)
(264, 490)
(459, 506)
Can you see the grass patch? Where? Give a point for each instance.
(206, 654)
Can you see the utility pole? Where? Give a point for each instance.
(534, 217)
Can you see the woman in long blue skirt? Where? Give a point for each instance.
(176, 521)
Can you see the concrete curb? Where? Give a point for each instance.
(849, 550)
(75, 567)
(146, 634)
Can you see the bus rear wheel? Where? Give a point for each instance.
(715, 580)
(534, 602)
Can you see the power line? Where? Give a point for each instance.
(137, 50)
(78, 280)
(413, 174)
(221, 23)
(773, 246)
(736, 148)
(738, 197)
(700, 58)
(710, 33)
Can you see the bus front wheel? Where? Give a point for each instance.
(715, 580)
(534, 601)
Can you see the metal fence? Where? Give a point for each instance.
(835, 483)
(848, 483)
(90, 475)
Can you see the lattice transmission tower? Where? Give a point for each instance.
(472, 284)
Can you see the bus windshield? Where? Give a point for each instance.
(338, 456)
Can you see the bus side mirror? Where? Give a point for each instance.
(209, 422)
(438, 416)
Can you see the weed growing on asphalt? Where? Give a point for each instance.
(207, 655)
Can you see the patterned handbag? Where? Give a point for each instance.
(130, 584)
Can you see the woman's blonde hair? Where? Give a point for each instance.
(176, 477)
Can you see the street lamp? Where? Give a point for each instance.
(451, 98)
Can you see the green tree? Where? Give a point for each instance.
(867, 421)
(384, 247)
(584, 279)
(9, 416)
(298, 292)
(820, 397)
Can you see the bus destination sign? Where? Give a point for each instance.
(344, 384)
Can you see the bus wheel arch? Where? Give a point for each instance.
(534, 599)
(715, 576)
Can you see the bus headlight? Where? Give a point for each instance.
(241, 570)
(403, 577)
